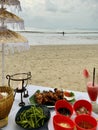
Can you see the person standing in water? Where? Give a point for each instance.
(63, 33)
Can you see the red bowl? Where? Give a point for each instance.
(82, 107)
(84, 121)
(61, 122)
(64, 108)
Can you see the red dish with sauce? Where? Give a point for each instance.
(85, 122)
(82, 107)
(64, 108)
(61, 122)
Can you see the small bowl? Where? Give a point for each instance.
(61, 122)
(64, 108)
(33, 117)
(82, 107)
(84, 122)
(69, 96)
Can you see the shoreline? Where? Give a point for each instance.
(54, 66)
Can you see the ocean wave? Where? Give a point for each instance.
(58, 38)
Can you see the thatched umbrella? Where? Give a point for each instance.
(11, 41)
(8, 17)
(8, 36)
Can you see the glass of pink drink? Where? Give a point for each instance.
(92, 91)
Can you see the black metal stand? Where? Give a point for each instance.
(26, 77)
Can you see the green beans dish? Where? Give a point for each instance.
(32, 116)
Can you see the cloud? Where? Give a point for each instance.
(58, 6)
(60, 13)
(50, 6)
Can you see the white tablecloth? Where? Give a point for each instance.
(32, 89)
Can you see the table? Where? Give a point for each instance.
(32, 89)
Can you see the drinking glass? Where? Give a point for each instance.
(92, 91)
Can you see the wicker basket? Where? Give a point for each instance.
(6, 103)
(3, 122)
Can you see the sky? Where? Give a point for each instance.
(60, 14)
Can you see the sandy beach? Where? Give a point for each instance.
(54, 66)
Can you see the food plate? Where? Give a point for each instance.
(46, 97)
(49, 97)
(32, 101)
(33, 117)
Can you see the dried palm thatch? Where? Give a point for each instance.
(8, 36)
(9, 17)
(12, 41)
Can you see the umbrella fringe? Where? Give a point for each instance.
(13, 48)
(7, 17)
(15, 3)
(18, 25)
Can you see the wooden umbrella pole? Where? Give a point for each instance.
(3, 64)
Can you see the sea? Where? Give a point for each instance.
(65, 37)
